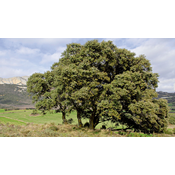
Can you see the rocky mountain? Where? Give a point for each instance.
(15, 96)
(14, 80)
(13, 93)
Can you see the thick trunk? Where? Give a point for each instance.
(96, 121)
(64, 118)
(80, 124)
(91, 121)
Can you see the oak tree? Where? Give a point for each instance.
(103, 83)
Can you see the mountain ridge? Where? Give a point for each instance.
(15, 80)
(15, 96)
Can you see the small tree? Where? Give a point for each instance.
(45, 96)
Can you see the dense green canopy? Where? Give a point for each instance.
(102, 82)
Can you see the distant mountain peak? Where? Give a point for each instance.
(15, 80)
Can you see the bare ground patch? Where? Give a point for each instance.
(171, 126)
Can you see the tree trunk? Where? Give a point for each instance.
(80, 124)
(64, 118)
(96, 121)
(91, 121)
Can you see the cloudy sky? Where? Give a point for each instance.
(23, 57)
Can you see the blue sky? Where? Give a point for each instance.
(23, 57)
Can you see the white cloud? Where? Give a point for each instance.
(127, 43)
(161, 55)
(166, 85)
(50, 58)
(8, 72)
(26, 50)
(2, 53)
(13, 62)
(46, 58)
(150, 49)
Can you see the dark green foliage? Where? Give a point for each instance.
(168, 131)
(148, 115)
(34, 112)
(103, 127)
(102, 83)
(172, 119)
(135, 134)
(70, 121)
(122, 133)
(86, 125)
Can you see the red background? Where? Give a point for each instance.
(87, 19)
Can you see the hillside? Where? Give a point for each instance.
(12, 95)
(170, 97)
(16, 96)
(14, 80)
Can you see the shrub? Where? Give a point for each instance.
(54, 128)
(34, 112)
(103, 127)
(136, 134)
(172, 119)
(51, 112)
(70, 121)
(121, 133)
(173, 130)
(86, 125)
(168, 131)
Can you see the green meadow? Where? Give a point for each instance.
(2, 110)
(23, 117)
(20, 123)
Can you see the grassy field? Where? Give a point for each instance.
(22, 117)
(2, 110)
(21, 123)
(172, 107)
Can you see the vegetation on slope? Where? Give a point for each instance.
(14, 95)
